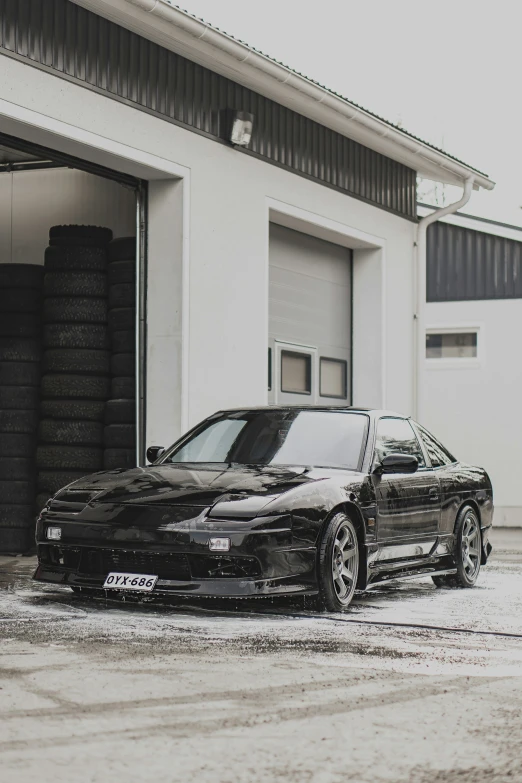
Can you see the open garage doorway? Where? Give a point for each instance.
(72, 300)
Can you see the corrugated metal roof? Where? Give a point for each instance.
(323, 87)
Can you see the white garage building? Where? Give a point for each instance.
(279, 271)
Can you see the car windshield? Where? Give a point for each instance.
(277, 437)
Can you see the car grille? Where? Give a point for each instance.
(165, 566)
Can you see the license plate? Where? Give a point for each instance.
(118, 581)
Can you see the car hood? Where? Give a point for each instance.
(225, 490)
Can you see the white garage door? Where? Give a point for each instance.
(310, 320)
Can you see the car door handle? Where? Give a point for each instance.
(433, 494)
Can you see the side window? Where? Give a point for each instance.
(397, 435)
(438, 455)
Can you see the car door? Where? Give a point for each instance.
(408, 504)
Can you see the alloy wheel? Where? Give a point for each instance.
(470, 545)
(344, 563)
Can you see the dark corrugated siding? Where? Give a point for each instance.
(79, 45)
(466, 264)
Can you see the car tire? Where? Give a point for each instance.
(19, 349)
(17, 445)
(17, 516)
(339, 546)
(52, 481)
(20, 374)
(467, 553)
(120, 436)
(75, 284)
(122, 295)
(21, 275)
(84, 236)
(120, 412)
(124, 341)
(122, 249)
(16, 493)
(19, 398)
(121, 272)
(76, 360)
(123, 388)
(92, 337)
(16, 540)
(119, 458)
(80, 387)
(75, 259)
(75, 309)
(123, 364)
(19, 422)
(84, 410)
(20, 325)
(65, 458)
(20, 300)
(16, 469)
(68, 432)
(122, 318)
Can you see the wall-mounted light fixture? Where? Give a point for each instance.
(236, 127)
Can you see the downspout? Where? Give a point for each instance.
(419, 291)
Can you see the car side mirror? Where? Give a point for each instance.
(153, 452)
(398, 463)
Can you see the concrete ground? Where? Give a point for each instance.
(414, 684)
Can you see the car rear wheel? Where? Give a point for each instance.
(468, 546)
(338, 565)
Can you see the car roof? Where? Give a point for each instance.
(374, 412)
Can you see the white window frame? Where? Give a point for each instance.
(458, 362)
(281, 397)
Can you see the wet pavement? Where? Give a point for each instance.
(413, 684)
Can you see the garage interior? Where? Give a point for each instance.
(68, 327)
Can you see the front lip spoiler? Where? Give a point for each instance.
(205, 588)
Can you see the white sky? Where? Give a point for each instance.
(450, 72)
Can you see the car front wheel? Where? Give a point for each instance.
(468, 548)
(338, 564)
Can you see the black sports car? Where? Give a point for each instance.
(274, 501)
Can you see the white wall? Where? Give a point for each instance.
(33, 201)
(473, 406)
(225, 255)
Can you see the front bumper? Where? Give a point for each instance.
(264, 558)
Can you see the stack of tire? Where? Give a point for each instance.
(76, 359)
(120, 411)
(20, 354)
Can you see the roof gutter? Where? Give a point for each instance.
(177, 30)
(419, 293)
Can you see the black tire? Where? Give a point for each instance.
(124, 341)
(19, 398)
(75, 259)
(120, 436)
(74, 309)
(331, 598)
(122, 248)
(120, 412)
(16, 469)
(20, 324)
(80, 336)
(76, 360)
(81, 433)
(19, 349)
(119, 458)
(122, 295)
(465, 576)
(19, 422)
(21, 275)
(20, 374)
(75, 387)
(123, 364)
(65, 458)
(121, 272)
(75, 284)
(17, 516)
(16, 493)
(16, 541)
(123, 388)
(85, 236)
(52, 481)
(122, 318)
(77, 410)
(17, 445)
(20, 300)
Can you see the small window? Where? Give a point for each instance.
(451, 345)
(296, 372)
(397, 436)
(332, 379)
(438, 455)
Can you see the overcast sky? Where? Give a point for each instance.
(450, 72)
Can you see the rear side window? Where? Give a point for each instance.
(396, 436)
(438, 455)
